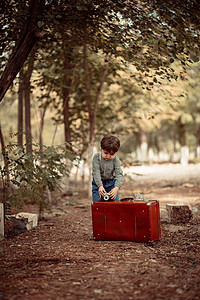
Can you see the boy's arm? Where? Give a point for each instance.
(118, 173)
(96, 170)
(118, 177)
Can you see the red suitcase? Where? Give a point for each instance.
(137, 221)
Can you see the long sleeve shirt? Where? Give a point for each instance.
(106, 169)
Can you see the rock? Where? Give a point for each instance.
(173, 228)
(32, 219)
(19, 225)
(97, 291)
(178, 213)
(166, 185)
(188, 185)
(23, 221)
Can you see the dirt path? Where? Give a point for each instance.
(60, 260)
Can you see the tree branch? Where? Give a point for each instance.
(28, 37)
(87, 80)
(101, 84)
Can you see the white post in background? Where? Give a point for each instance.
(150, 155)
(138, 154)
(144, 148)
(1, 221)
(184, 155)
(198, 152)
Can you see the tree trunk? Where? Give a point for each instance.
(143, 146)
(83, 173)
(92, 109)
(28, 121)
(151, 155)
(198, 143)
(27, 99)
(41, 128)
(28, 37)
(6, 179)
(87, 90)
(66, 96)
(3, 150)
(175, 154)
(182, 140)
(178, 213)
(54, 135)
(90, 157)
(156, 144)
(150, 149)
(20, 111)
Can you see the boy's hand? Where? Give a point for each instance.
(113, 192)
(101, 191)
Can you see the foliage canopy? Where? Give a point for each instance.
(150, 33)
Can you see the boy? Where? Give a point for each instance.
(107, 172)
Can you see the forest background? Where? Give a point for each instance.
(73, 71)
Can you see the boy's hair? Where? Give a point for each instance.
(110, 143)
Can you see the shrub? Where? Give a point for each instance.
(32, 174)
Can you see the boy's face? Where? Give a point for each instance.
(107, 155)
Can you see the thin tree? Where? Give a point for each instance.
(92, 105)
(6, 177)
(27, 100)
(20, 110)
(66, 85)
